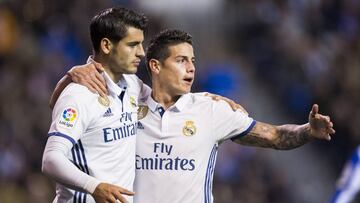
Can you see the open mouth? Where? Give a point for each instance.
(189, 80)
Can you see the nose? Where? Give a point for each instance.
(140, 51)
(191, 67)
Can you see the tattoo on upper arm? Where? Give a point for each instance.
(278, 137)
(258, 136)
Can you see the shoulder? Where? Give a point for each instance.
(200, 98)
(78, 100)
(218, 106)
(132, 79)
(78, 93)
(134, 84)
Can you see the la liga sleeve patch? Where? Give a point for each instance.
(68, 117)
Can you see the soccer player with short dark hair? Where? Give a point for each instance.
(91, 144)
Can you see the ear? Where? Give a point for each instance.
(154, 66)
(106, 45)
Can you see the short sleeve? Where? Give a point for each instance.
(70, 117)
(228, 123)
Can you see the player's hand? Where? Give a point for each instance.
(89, 76)
(235, 106)
(320, 125)
(108, 193)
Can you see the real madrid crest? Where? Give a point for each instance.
(104, 101)
(142, 111)
(189, 129)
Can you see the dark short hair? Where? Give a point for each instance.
(159, 46)
(113, 23)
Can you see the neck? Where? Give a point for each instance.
(115, 77)
(162, 96)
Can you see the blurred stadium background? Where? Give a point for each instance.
(275, 57)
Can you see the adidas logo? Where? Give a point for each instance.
(108, 113)
(140, 126)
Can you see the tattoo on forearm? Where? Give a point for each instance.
(292, 136)
(278, 137)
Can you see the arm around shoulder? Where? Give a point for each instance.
(87, 75)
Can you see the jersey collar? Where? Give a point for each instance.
(116, 89)
(152, 104)
(112, 87)
(178, 106)
(183, 101)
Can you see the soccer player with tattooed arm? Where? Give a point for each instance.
(179, 132)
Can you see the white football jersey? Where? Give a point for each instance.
(176, 149)
(103, 132)
(348, 186)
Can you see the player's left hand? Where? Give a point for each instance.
(235, 106)
(320, 125)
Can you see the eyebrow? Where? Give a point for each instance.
(182, 56)
(133, 43)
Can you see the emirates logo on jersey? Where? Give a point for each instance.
(189, 129)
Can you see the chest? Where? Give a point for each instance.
(113, 121)
(174, 134)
